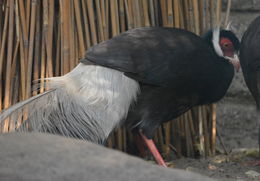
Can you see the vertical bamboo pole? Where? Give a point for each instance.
(49, 35)
(92, 21)
(104, 12)
(146, 13)
(9, 60)
(227, 13)
(218, 12)
(152, 12)
(72, 32)
(86, 24)
(37, 47)
(129, 13)
(79, 28)
(201, 143)
(170, 13)
(2, 51)
(176, 14)
(211, 9)
(201, 16)
(1, 19)
(28, 11)
(66, 56)
(164, 11)
(99, 21)
(196, 16)
(31, 48)
(214, 127)
(114, 17)
(58, 53)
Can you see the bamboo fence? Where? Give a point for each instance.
(45, 38)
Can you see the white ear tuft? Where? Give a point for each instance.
(228, 27)
(215, 41)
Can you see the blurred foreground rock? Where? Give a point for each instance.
(35, 156)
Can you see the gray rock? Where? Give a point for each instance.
(35, 156)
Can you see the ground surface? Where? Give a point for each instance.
(238, 128)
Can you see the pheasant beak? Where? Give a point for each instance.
(234, 61)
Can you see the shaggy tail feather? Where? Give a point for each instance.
(87, 103)
(53, 112)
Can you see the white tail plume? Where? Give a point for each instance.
(87, 103)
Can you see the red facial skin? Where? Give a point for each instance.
(229, 51)
(227, 47)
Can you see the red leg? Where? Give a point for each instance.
(151, 146)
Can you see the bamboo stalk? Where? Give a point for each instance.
(58, 53)
(227, 13)
(152, 12)
(3, 45)
(205, 132)
(201, 16)
(23, 66)
(170, 13)
(211, 8)
(37, 47)
(49, 37)
(72, 49)
(196, 16)
(31, 48)
(86, 23)
(176, 14)
(99, 21)
(66, 56)
(167, 128)
(201, 143)
(1, 20)
(79, 28)
(146, 13)
(9, 60)
(214, 128)
(129, 13)
(43, 65)
(218, 12)
(104, 12)
(114, 17)
(92, 21)
(23, 24)
(137, 14)
(28, 12)
(163, 11)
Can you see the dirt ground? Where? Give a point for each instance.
(237, 125)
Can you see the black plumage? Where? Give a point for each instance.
(176, 70)
(250, 59)
(250, 62)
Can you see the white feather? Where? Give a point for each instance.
(215, 41)
(87, 103)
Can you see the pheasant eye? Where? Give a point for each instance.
(225, 43)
